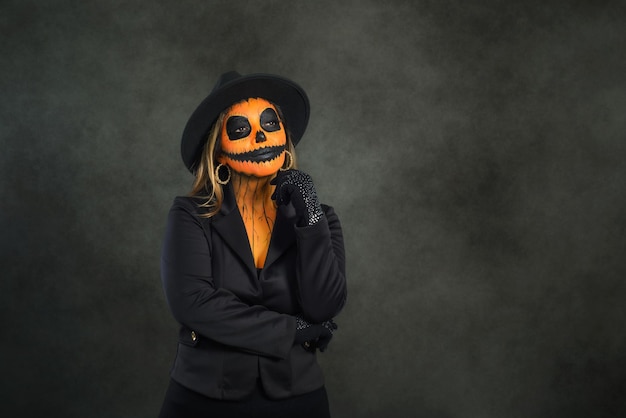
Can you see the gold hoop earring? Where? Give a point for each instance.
(217, 174)
(290, 165)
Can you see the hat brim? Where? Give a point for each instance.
(287, 95)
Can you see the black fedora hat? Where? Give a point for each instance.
(231, 88)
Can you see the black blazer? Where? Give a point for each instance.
(237, 323)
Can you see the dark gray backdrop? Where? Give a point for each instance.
(474, 151)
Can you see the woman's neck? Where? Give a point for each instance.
(251, 190)
(258, 211)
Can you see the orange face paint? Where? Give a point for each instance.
(253, 139)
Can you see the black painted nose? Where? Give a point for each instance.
(260, 137)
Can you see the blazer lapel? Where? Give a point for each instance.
(229, 225)
(283, 237)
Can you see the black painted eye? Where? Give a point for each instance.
(237, 127)
(269, 120)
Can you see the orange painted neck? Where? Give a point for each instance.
(258, 211)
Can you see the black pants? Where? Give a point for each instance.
(181, 402)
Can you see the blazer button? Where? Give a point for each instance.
(307, 344)
(194, 337)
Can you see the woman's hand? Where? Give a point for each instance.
(296, 187)
(314, 336)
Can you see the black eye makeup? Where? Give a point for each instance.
(237, 127)
(269, 120)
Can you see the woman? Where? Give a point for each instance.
(253, 265)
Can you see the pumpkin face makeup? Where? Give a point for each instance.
(253, 139)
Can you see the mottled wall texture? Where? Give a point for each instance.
(474, 150)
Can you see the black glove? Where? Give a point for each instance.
(297, 187)
(314, 336)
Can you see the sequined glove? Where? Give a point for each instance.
(314, 336)
(296, 187)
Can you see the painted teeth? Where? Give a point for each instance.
(260, 155)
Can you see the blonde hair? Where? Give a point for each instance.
(205, 185)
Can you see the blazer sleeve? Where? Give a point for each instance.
(321, 271)
(214, 313)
